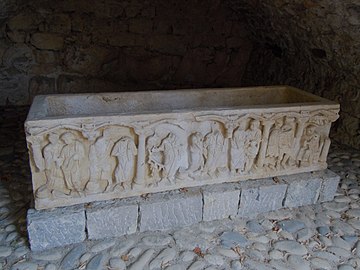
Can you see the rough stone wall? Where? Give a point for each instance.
(310, 44)
(97, 46)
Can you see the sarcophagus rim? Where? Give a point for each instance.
(90, 147)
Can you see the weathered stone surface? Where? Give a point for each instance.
(259, 200)
(327, 60)
(156, 30)
(172, 213)
(329, 186)
(233, 239)
(87, 60)
(302, 191)
(141, 26)
(167, 44)
(47, 41)
(178, 153)
(291, 247)
(41, 85)
(72, 259)
(53, 228)
(111, 220)
(14, 87)
(23, 21)
(219, 203)
(126, 40)
(58, 23)
(80, 84)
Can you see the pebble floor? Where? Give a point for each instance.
(323, 236)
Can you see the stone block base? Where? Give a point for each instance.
(178, 208)
(54, 228)
(111, 219)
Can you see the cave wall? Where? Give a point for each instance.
(310, 44)
(98, 46)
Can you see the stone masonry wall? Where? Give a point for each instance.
(98, 46)
(310, 44)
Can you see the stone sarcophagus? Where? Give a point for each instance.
(90, 147)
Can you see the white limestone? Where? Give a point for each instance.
(220, 202)
(88, 147)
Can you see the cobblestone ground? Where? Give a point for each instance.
(324, 236)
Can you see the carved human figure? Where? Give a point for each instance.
(37, 153)
(310, 147)
(71, 157)
(286, 142)
(273, 147)
(52, 170)
(252, 144)
(237, 149)
(214, 147)
(125, 151)
(100, 167)
(196, 149)
(171, 153)
(155, 158)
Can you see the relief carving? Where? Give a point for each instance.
(164, 158)
(253, 138)
(125, 152)
(273, 147)
(196, 149)
(238, 157)
(70, 159)
(311, 146)
(215, 151)
(76, 162)
(50, 164)
(155, 158)
(100, 168)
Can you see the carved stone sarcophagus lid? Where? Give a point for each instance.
(90, 147)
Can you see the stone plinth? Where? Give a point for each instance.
(91, 147)
(174, 209)
(54, 228)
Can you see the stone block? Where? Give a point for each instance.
(78, 84)
(47, 41)
(40, 85)
(59, 23)
(17, 36)
(86, 61)
(220, 202)
(111, 219)
(261, 199)
(126, 40)
(14, 89)
(303, 189)
(23, 22)
(140, 26)
(329, 184)
(177, 210)
(167, 44)
(55, 228)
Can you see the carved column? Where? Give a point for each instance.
(37, 154)
(325, 150)
(299, 132)
(229, 129)
(140, 164)
(264, 143)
